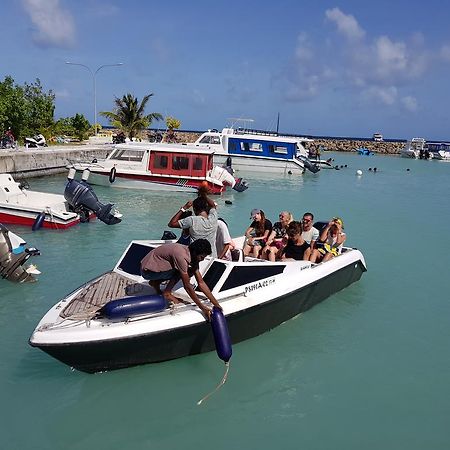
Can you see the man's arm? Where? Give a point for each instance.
(191, 292)
(205, 289)
(173, 223)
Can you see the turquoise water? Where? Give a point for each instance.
(368, 368)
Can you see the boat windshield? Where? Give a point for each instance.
(126, 154)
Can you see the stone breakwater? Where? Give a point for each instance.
(350, 145)
(329, 144)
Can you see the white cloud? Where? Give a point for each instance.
(346, 24)
(445, 52)
(53, 25)
(410, 103)
(383, 95)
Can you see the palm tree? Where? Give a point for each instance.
(129, 116)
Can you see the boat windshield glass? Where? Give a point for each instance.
(210, 140)
(127, 155)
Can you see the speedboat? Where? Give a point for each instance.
(258, 151)
(116, 320)
(13, 257)
(22, 206)
(365, 151)
(413, 148)
(167, 167)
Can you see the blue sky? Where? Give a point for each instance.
(342, 68)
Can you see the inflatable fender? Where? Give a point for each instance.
(124, 308)
(112, 175)
(39, 221)
(221, 335)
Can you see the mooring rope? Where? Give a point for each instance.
(224, 379)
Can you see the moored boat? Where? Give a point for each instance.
(173, 167)
(257, 151)
(13, 257)
(84, 332)
(413, 148)
(22, 206)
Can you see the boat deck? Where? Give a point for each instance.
(92, 297)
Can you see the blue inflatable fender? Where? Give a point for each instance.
(124, 308)
(39, 221)
(221, 335)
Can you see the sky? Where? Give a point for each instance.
(334, 68)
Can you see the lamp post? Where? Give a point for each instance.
(94, 75)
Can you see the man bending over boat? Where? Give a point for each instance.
(170, 262)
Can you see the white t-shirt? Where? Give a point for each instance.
(223, 238)
(310, 235)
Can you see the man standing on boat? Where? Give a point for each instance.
(172, 262)
(203, 224)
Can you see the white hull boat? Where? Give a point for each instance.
(161, 167)
(256, 296)
(21, 206)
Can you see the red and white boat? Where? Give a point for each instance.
(22, 206)
(160, 167)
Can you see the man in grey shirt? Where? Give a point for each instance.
(203, 224)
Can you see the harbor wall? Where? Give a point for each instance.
(49, 160)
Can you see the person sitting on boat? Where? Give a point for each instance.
(257, 233)
(170, 262)
(224, 243)
(294, 249)
(333, 238)
(277, 237)
(203, 224)
(310, 234)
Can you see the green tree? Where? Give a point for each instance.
(80, 125)
(26, 109)
(128, 115)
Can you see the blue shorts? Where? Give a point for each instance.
(166, 275)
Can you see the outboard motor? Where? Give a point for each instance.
(13, 256)
(240, 185)
(81, 196)
(314, 168)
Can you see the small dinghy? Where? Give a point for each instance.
(82, 331)
(14, 255)
(22, 206)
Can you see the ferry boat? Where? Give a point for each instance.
(169, 167)
(116, 320)
(257, 151)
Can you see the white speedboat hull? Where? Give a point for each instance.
(255, 296)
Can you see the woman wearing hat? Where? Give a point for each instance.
(257, 233)
(333, 238)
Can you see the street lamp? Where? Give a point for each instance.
(94, 74)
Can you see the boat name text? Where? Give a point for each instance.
(259, 285)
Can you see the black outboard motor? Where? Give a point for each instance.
(81, 196)
(13, 256)
(241, 185)
(314, 168)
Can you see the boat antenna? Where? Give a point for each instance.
(235, 120)
(278, 122)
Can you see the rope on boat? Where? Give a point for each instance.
(224, 379)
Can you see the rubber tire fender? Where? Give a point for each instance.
(112, 175)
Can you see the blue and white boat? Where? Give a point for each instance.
(258, 151)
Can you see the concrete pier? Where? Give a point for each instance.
(35, 162)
